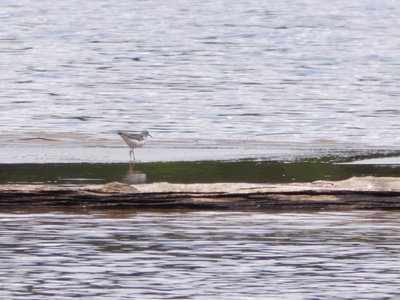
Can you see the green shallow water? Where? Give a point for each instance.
(191, 172)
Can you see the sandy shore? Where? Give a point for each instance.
(62, 154)
(80, 148)
(119, 155)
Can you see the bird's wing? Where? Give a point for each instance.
(130, 135)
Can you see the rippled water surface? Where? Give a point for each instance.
(199, 255)
(272, 70)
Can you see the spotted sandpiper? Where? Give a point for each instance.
(134, 141)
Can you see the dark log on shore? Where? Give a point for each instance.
(354, 193)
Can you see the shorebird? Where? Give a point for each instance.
(134, 141)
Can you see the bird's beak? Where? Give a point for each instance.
(150, 135)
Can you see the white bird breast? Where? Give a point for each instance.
(134, 143)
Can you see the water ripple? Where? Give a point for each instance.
(199, 255)
(298, 71)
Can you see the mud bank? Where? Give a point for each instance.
(354, 193)
(45, 155)
(67, 148)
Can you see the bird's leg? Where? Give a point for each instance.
(130, 154)
(133, 153)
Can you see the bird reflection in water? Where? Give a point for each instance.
(133, 176)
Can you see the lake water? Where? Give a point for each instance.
(199, 255)
(294, 71)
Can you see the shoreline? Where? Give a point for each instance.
(103, 155)
(76, 150)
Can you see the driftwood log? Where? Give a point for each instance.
(354, 193)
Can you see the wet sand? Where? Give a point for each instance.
(120, 155)
(40, 154)
(80, 148)
(43, 154)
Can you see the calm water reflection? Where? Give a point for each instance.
(190, 172)
(199, 255)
